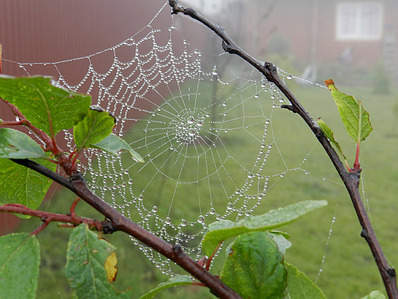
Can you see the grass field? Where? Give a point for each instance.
(348, 270)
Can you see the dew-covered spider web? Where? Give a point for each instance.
(213, 142)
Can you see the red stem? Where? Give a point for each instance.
(350, 179)
(118, 222)
(48, 217)
(357, 166)
(210, 259)
(45, 223)
(23, 121)
(73, 207)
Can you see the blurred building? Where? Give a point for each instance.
(350, 33)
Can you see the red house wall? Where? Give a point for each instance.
(293, 20)
(56, 30)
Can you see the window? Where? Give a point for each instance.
(359, 20)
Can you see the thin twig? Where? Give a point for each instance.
(351, 180)
(48, 217)
(118, 222)
(24, 122)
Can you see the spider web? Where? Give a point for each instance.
(205, 139)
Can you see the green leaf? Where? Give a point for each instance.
(281, 242)
(85, 261)
(94, 127)
(114, 144)
(178, 280)
(329, 134)
(224, 229)
(47, 107)
(375, 295)
(22, 185)
(19, 265)
(254, 267)
(300, 286)
(17, 145)
(354, 116)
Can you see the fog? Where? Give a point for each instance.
(85, 45)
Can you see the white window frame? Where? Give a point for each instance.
(353, 21)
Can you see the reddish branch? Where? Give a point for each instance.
(66, 163)
(118, 222)
(48, 217)
(22, 121)
(351, 180)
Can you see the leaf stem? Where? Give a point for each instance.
(118, 222)
(350, 179)
(210, 259)
(24, 122)
(357, 166)
(48, 217)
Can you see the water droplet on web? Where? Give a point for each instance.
(180, 133)
(201, 219)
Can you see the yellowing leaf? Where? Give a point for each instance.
(85, 260)
(354, 116)
(111, 267)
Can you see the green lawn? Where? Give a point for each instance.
(348, 271)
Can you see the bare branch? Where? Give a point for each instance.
(118, 222)
(350, 180)
(48, 217)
